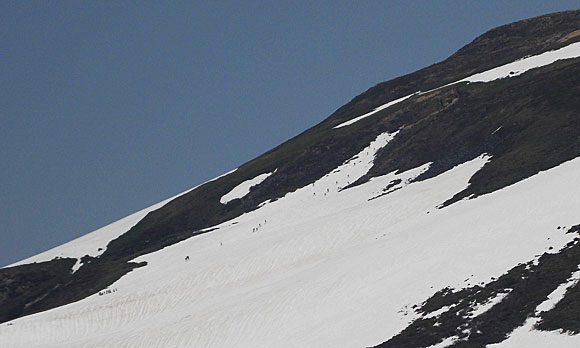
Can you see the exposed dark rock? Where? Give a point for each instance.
(392, 184)
(565, 316)
(24, 286)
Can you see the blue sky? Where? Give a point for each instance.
(109, 107)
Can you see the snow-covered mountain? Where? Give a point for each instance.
(439, 209)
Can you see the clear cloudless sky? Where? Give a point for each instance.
(109, 107)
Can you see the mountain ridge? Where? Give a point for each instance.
(508, 43)
(526, 124)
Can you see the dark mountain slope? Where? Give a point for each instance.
(537, 112)
(528, 123)
(496, 47)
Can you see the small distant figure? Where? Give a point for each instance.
(221, 243)
(187, 258)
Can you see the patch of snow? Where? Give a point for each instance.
(558, 294)
(377, 109)
(244, 188)
(525, 64)
(438, 312)
(484, 307)
(264, 203)
(351, 170)
(76, 266)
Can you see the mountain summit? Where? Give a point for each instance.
(438, 209)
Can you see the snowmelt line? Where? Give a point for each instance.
(382, 107)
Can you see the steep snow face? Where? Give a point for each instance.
(244, 188)
(508, 70)
(321, 267)
(94, 243)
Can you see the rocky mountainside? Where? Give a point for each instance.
(494, 128)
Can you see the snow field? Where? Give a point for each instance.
(332, 270)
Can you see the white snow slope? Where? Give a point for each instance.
(326, 268)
